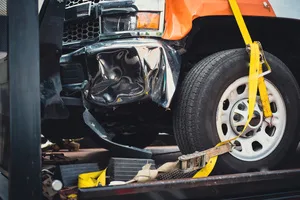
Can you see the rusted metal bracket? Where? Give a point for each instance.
(57, 159)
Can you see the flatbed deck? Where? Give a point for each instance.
(255, 185)
(278, 184)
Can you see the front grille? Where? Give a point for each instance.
(83, 31)
(76, 2)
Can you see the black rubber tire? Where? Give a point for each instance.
(198, 97)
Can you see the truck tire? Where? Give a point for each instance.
(211, 106)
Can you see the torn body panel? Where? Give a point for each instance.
(128, 70)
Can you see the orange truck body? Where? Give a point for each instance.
(181, 13)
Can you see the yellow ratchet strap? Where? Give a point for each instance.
(92, 179)
(256, 81)
(247, 39)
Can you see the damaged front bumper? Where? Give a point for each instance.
(127, 70)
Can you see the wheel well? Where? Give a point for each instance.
(212, 34)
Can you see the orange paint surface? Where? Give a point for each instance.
(147, 20)
(180, 13)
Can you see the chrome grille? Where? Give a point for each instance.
(88, 30)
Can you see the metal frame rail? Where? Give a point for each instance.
(24, 83)
(281, 184)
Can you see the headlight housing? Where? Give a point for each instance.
(90, 20)
(130, 22)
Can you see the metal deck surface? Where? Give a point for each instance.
(279, 184)
(237, 186)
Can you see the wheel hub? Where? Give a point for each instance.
(263, 135)
(239, 116)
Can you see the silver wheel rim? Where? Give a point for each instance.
(264, 134)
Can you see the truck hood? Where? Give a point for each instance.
(179, 14)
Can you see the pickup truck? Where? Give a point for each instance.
(143, 67)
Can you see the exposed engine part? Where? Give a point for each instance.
(51, 187)
(57, 159)
(71, 144)
(69, 193)
(57, 185)
(46, 143)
